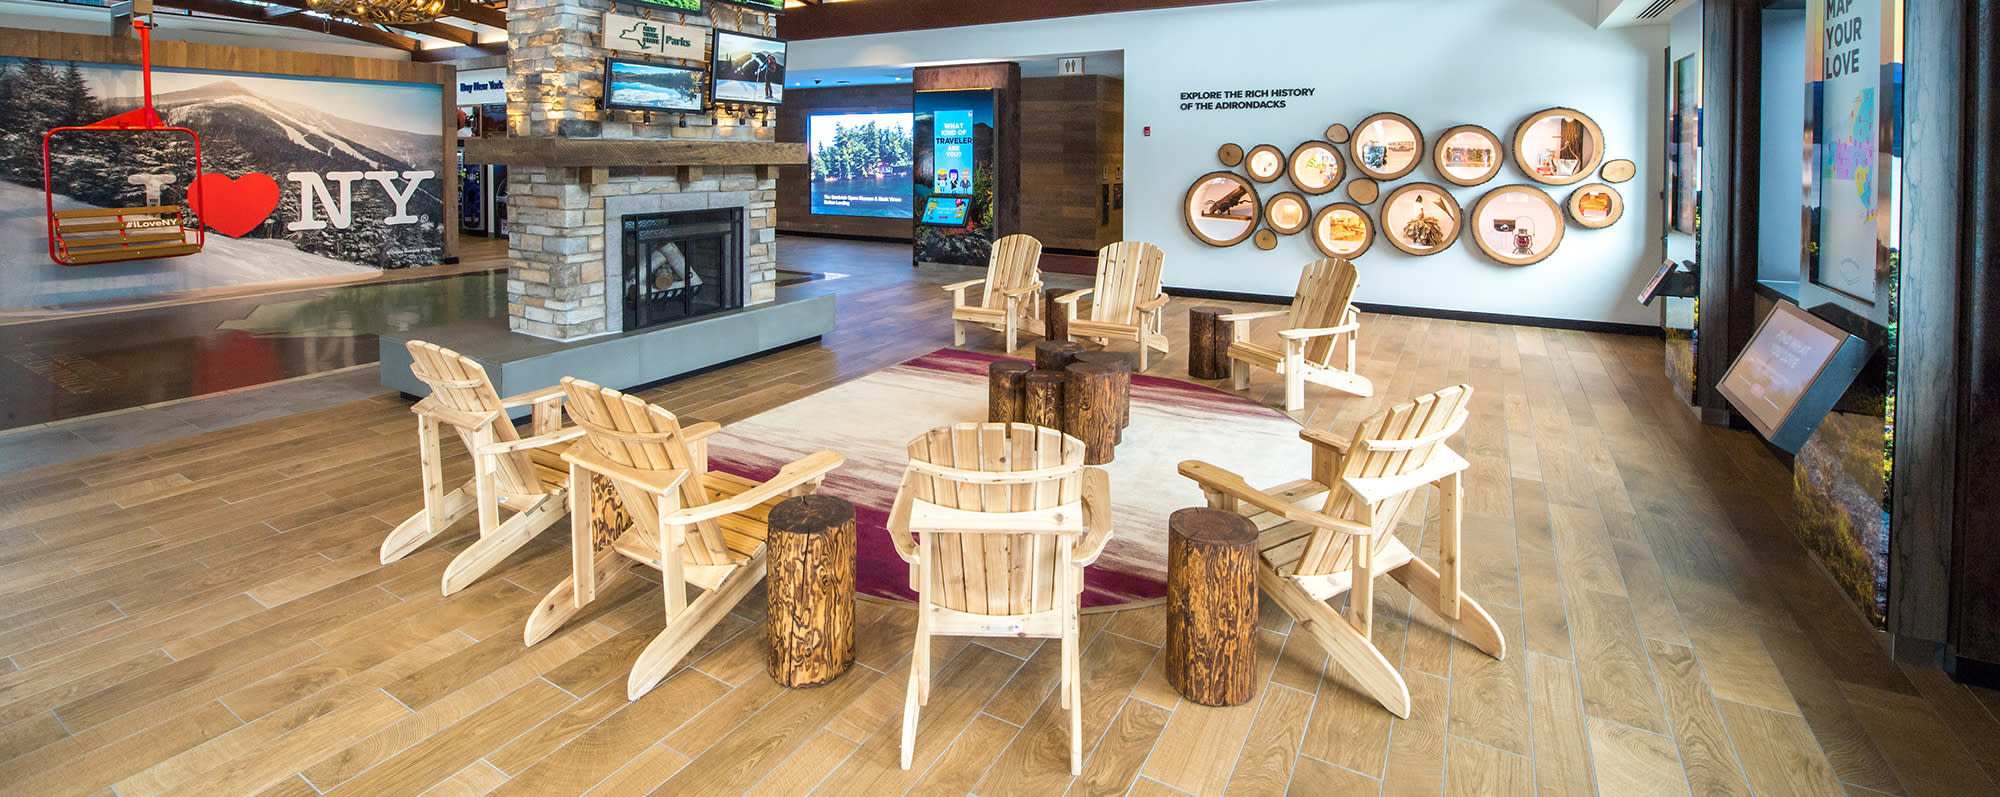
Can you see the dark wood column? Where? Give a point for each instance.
(1976, 563)
(1732, 69)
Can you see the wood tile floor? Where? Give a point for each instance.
(206, 614)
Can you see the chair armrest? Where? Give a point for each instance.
(550, 393)
(699, 431)
(1154, 303)
(809, 468)
(1031, 287)
(525, 443)
(1252, 316)
(1096, 516)
(899, 519)
(1324, 440)
(1073, 296)
(657, 482)
(959, 286)
(1232, 485)
(1317, 332)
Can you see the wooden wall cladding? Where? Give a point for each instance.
(795, 182)
(1071, 141)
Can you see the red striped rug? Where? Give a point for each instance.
(870, 420)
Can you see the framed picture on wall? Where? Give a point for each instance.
(747, 69)
(640, 86)
(1684, 148)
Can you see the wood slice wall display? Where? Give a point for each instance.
(1517, 224)
(1364, 191)
(1343, 230)
(1265, 240)
(1287, 213)
(1558, 146)
(1264, 163)
(1421, 218)
(1221, 208)
(1230, 155)
(1618, 171)
(1596, 206)
(1336, 133)
(1315, 167)
(1386, 146)
(1467, 155)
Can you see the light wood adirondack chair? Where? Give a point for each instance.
(1010, 294)
(694, 525)
(1126, 303)
(1310, 555)
(1320, 321)
(998, 521)
(525, 476)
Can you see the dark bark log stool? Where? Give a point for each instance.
(1122, 363)
(1208, 342)
(1212, 606)
(1005, 396)
(1053, 355)
(1055, 323)
(1090, 410)
(811, 589)
(1043, 391)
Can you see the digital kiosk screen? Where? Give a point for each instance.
(945, 210)
(1794, 370)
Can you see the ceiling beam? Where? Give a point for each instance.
(336, 27)
(830, 20)
(450, 33)
(435, 54)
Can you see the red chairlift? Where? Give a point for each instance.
(108, 235)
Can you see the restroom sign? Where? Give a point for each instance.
(633, 34)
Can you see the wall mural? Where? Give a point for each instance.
(302, 177)
(1554, 146)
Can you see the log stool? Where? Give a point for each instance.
(811, 589)
(1005, 390)
(1055, 322)
(1090, 409)
(1043, 393)
(1208, 342)
(1053, 355)
(1123, 365)
(1212, 606)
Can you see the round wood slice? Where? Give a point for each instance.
(1364, 192)
(1212, 606)
(1618, 171)
(1265, 239)
(810, 588)
(1230, 155)
(1208, 342)
(1044, 393)
(1337, 133)
(1005, 392)
(1122, 363)
(1090, 409)
(1053, 355)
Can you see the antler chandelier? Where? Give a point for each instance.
(386, 12)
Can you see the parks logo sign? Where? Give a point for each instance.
(632, 34)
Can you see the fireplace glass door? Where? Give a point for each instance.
(681, 265)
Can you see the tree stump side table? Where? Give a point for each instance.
(1122, 363)
(1212, 606)
(810, 554)
(1055, 321)
(1006, 393)
(1043, 391)
(1090, 409)
(1208, 342)
(1054, 355)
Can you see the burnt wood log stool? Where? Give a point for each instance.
(1208, 342)
(1055, 322)
(1090, 410)
(1121, 363)
(1212, 606)
(1053, 355)
(1005, 396)
(811, 589)
(1043, 391)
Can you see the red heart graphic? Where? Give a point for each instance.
(233, 207)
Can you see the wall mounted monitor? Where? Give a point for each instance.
(1794, 370)
(861, 163)
(747, 69)
(639, 86)
(770, 6)
(682, 6)
(948, 211)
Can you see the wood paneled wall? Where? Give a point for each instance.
(1072, 149)
(1976, 548)
(1731, 46)
(219, 58)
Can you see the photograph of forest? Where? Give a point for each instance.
(861, 164)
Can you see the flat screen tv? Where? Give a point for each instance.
(747, 69)
(639, 86)
(861, 163)
(1794, 370)
(772, 6)
(945, 210)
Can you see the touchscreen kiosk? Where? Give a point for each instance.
(945, 210)
(1794, 370)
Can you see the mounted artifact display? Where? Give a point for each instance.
(1467, 155)
(1264, 163)
(1221, 208)
(1315, 167)
(1596, 206)
(1386, 146)
(1343, 230)
(1558, 146)
(1287, 213)
(1517, 224)
(1421, 218)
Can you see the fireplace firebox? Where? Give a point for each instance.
(681, 265)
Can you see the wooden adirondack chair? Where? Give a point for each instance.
(694, 525)
(1010, 297)
(525, 476)
(1127, 302)
(1321, 319)
(998, 521)
(1312, 555)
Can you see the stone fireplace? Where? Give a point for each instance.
(680, 265)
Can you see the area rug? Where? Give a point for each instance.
(871, 420)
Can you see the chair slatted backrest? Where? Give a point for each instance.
(632, 433)
(1326, 287)
(1375, 453)
(1128, 272)
(997, 573)
(1016, 261)
(459, 386)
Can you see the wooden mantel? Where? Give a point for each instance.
(558, 153)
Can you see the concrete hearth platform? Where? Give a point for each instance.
(519, 363)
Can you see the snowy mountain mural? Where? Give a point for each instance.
(357, 166)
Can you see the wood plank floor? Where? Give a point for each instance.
(207, 615)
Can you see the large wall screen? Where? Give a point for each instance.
(860, 164)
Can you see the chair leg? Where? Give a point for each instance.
(1239, 371)
(958, 333)
(429, 522)
(1352, 651)
(560, 605)
(1072, 687)
(911, 705)
(496, 545)
(1473, 623)
(687, 629)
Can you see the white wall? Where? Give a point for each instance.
(1782, 140)
(1440, 62)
